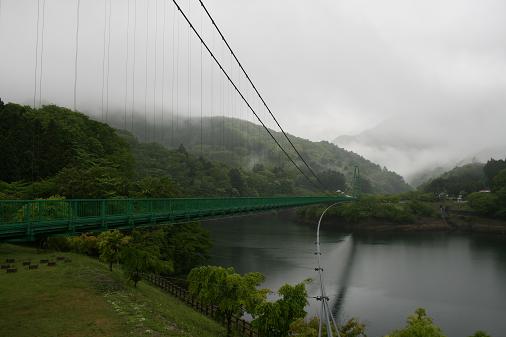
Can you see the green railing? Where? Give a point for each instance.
(29, 219)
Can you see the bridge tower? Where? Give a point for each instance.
(356, 182)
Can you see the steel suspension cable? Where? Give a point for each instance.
(172, 76)
(259, 95)
(126, 64)
(42, 50)
(211, 89)
(133, 66)
(103, 59)
(163, 69)
(36, 56)
(146, 42)
(154, 71)
(78, 14)
(189, 74)
(108, 60)
(201, 91)
(240, 93)
(177, 71)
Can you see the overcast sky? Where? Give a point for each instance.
(420, 76)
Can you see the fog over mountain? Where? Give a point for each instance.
(425, 145)
(419, 84)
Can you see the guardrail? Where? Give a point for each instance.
(241, 326)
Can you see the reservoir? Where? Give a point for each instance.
(380, 278)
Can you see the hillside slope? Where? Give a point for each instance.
(56, 151)
(83, 299)
(240, 143)
(461, 179)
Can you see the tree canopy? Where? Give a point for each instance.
(231, 292)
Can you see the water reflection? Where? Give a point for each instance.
(378, 277)
(344, 279)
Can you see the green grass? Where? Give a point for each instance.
(83, 298)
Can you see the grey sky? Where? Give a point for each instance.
(426, 74)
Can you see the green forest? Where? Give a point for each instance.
(240, 143)
(55, 151)
(483, 186)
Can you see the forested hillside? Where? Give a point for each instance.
(240, 143)
(460, 180)
(55, 151)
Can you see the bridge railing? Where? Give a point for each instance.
(57, 216)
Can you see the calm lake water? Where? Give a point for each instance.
(379, 278)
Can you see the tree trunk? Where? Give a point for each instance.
(229, 325)
(110, 266)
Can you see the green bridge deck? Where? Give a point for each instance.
(27, 220)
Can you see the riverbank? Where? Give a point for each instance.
(82, 297)
(382, 214)
(463, 224)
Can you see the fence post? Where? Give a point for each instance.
(72, 216)
(129, 212)
(27, 218)
(102, 213)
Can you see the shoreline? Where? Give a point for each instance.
(459, 224)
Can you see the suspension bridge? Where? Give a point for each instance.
(28, 220)
(151, 67)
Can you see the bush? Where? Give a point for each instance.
(274, 318)
(110, 244)
(231, 292)
(301, 328)
(420, 208)
(485, 203)
(418, 325)
(61, 244)
(187, 245)
(85, 244)
(142, 255)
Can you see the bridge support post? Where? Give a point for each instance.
(129, 212)
(102, 214)
(27, 217)
(72, 211)
(151, 213)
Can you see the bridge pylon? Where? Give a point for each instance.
(356, 191)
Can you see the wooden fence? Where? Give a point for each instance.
(241, 327)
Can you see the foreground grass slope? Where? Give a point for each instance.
(82, 298)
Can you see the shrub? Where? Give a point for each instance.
(61, 244)
(418, 325)
(110, 244)
(84, 244)
(485, 203)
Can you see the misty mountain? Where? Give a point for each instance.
(240, 143)
(422, 147)
(459, 180)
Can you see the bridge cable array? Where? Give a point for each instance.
(222, 128)
(78, 17)
(241, 94)
(126, 65)
(258, 93)
(42, 49)
(36, 56)
(133, 66)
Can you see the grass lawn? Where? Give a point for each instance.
(83, 298)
